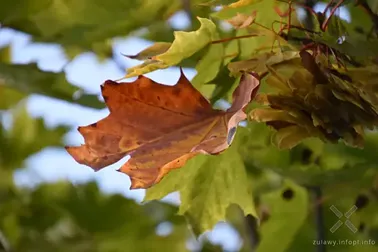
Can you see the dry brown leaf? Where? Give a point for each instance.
(242, 21)
(159, 126)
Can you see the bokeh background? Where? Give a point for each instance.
(48, 170)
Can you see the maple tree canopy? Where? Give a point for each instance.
(160, 127)
(309, 146)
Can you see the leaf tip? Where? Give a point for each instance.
(129, 56)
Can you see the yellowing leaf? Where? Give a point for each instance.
(260, 62)
(264, 24)
(269, 114)
(151, 51)
(242, 3)
(216, 2)
(265, 13)
(264, 40)
(242, 20)
(187, 43)
(291, 136)
(184, 46)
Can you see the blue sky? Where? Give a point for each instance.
(85, 71)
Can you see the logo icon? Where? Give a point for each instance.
(347, 215)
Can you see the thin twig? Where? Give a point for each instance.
(325, 24)
(319, 219)
(187, 8)
(327, 7)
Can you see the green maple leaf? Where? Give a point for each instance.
(208, 185)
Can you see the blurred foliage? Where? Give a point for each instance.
(310, 142)
(62, 217)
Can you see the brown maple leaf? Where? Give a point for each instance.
(159, 126)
